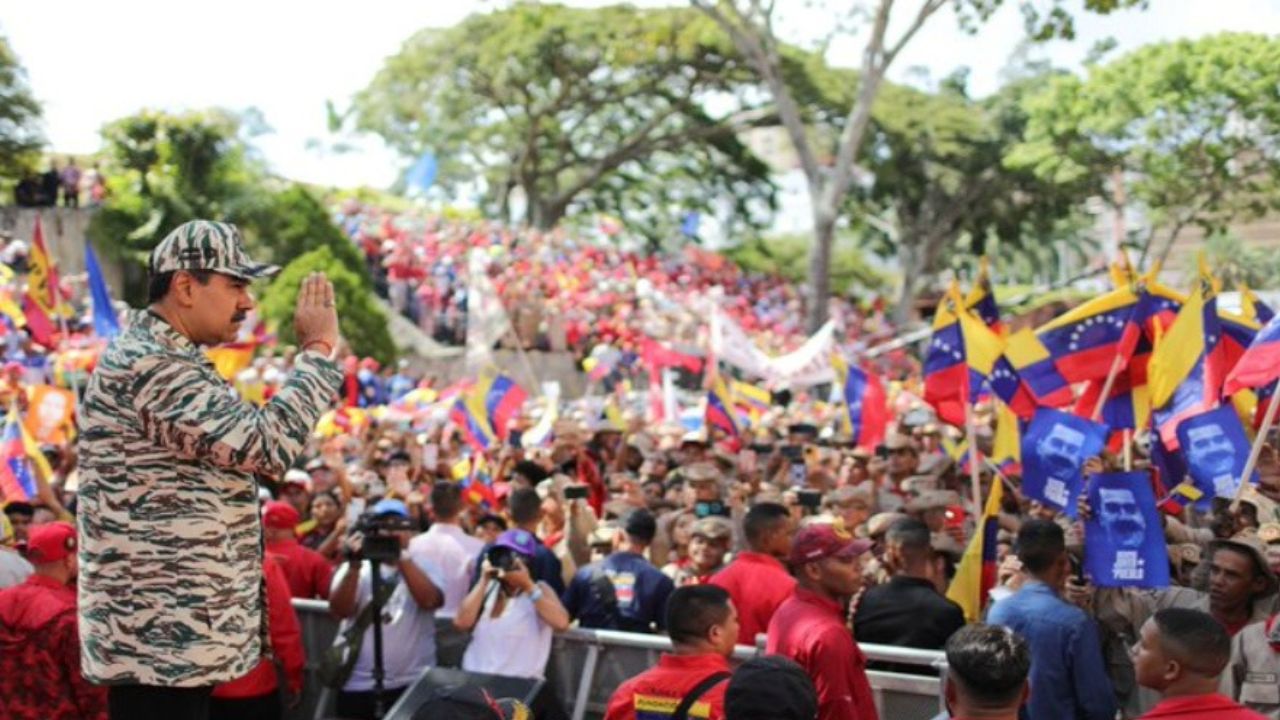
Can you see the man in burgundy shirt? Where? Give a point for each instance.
(703, 626)
(757, 580)
(810, 627)
(39, 638)
(309, 574)
(1181, 653)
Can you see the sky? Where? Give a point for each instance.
(92, 62)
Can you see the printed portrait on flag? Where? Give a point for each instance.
(1216, 449)
(1124, 540)
(1054, 450)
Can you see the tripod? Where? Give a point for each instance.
(379, 671)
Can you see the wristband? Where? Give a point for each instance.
(327, 347)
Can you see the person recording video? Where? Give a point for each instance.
(411, 588)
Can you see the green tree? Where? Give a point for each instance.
(585, 109)
(20, 137)
(785, 255)
(941, 195)
(361, 321)
(830, 173)
(1184, 130)
(1235, 263)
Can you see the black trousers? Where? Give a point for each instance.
(146, 702)
(360, 705)
(263, 707)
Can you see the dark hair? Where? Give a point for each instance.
(524, 506)
(770, 687)
(159, 283)
(327, 494)
(446, 499)
(911, 534)
(19, 507)
(761, 519)
(693, 610)
(1040, 543)
(989, 664)
(1195, 639)
(531, 471)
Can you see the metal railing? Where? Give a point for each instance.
(586, 666)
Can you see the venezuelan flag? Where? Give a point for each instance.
(1006, 452)
(865, 401)
(1259, 366)
(1253, 308)
(1129, 405)
(1036, 373)
(720, 410)
(981, 300)
(961, 357)
(754, 399)
(1183, 495)
(1085, 341)
(17, 477)
(486, 409)
(976, 573)
(1186, 372)
(958, 452)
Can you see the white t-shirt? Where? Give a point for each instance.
(14, 569)
(451, 549)
(408, 631)
(515, 644)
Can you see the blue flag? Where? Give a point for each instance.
(423, 173)
(105, 322)
(689, 225)
(1124, 540)
(1054, 450)
(1215, 449)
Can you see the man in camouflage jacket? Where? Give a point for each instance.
(170, 552)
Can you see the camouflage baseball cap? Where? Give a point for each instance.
(207, 245)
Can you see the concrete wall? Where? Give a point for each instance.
(64, 234)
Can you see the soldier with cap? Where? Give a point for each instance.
(171, 599)
(39, 645)
(709, 540)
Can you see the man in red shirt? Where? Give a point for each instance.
(703, 626)
(810, 627)
(39, 637)
(254, 696)
(306, 570)
(757, 580)
(1181, 653)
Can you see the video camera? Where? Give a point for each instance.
(501, 558)
(380, 541)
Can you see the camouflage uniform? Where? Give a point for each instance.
(170, 553)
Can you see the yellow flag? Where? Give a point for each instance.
(976, 573)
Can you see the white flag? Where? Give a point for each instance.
(487, 320)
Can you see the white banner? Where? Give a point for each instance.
(810, 364)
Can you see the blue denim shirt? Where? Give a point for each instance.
(1068, 676)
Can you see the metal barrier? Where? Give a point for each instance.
(586, 666)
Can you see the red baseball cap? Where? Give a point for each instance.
(816, 542)
(50, 542)
(280, 515)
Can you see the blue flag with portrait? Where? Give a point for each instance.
(1054, 450)
(1215, 449)
(1124, 540)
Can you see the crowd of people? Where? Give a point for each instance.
(793, 538)
(64, 186)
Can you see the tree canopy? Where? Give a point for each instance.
(628, 111)
(1187, 127)
(20, 136)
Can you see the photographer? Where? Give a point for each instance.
(507, 611)
(408, 620)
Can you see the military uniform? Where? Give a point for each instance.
(170, 539)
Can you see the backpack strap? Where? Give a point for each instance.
(686, 703)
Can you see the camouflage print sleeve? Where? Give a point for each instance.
(186, 408)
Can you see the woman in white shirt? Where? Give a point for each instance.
(507, 609)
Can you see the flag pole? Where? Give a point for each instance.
(1128, 449)
(1258, 441)
(974, 455)
(1116, 366)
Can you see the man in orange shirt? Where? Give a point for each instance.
(307, 571)
(757, 580)
(690, 682)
